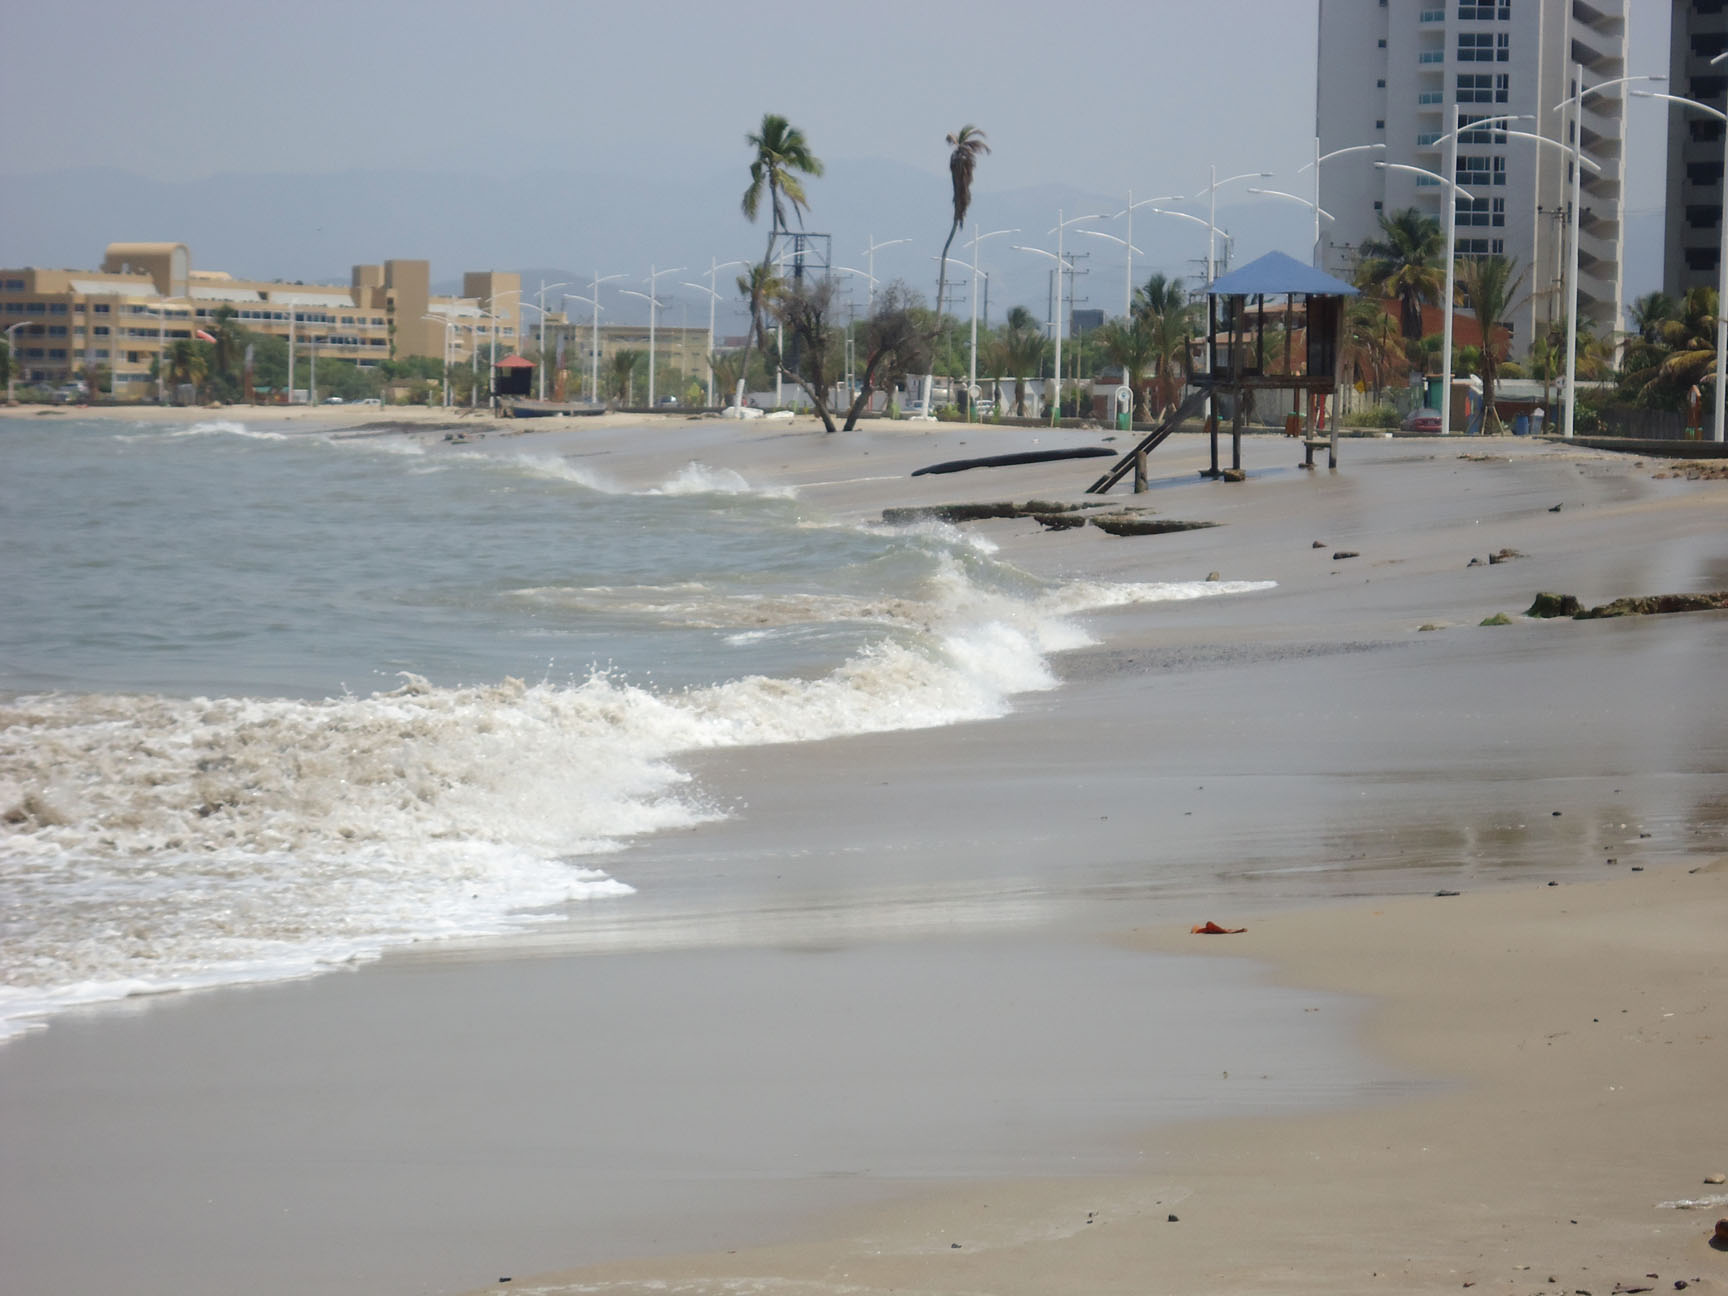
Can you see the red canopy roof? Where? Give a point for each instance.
(514, 362)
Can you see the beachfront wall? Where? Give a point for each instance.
(147, 296)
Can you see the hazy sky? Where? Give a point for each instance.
(183, 88)
(1107, 95)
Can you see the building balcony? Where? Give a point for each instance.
(1432, 16)
(1608, 25)
(1604, 63)
(1597, 250)
(1431, 99)
(1430, 57)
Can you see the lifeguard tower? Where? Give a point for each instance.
(1241, 308)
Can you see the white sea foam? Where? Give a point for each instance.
(224, 427)
(150, 843)
(696, 478)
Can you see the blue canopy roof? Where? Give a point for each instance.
(1277, 274)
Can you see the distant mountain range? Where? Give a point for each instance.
(563, 225)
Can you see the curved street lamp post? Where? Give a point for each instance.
(1576, 99)
(714, 268)
(1721, 265)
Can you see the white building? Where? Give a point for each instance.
(1391, 71)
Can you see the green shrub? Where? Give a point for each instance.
(1375, 416)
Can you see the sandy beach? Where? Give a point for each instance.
(925, 1013)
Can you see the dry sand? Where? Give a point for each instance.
(1544, 1063)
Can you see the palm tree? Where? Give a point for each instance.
(229, 337)
(1370, 343)
(186, 364)
(1408, 263)
(1161, 295)
(1023, 352)
(1651, 311)
(964, 145)
(1491, 285)
(1129, 343)
(1682, 354)
(782, 156)
(623, 366)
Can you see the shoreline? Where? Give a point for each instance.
(1274, 757)
(1569, 1113)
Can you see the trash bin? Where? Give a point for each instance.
(1521, 425)
(1122, 420)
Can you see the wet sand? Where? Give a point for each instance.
(924, 1013)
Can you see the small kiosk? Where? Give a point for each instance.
(512, 376)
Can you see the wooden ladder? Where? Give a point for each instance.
(1154, 439)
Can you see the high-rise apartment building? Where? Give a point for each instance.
(1693, 243)
(1393, 73)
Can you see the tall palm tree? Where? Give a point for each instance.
(1408, 263)
(1369, 345)
(965, 146)
(1130, 343)
(623, 367)
(1663, 370)
(1490, 284)
(1023, 352)
(782, 158)
(186, 364)
(1161, 295)
(1650, 312)
(230, 340)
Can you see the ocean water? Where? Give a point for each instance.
(272, 702)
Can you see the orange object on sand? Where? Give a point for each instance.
(1213, 929)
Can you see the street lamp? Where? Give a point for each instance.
(1318, 159)
(540, 298)
(972, 363)
(593, 299)
(1721, 265)
(1576, 99)
(1317, 209)
(12, 357)
(1056, 323)
(1061, 261)
(448, 324)
(1455, 191)
(871, 280)
(1128, 211)
(714, 268)
(1211, 192)
(654, 305)
(870, 251)
(1128, 279)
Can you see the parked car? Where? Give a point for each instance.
(333, 400)
(1425, 422)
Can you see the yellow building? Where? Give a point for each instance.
(146, 297)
